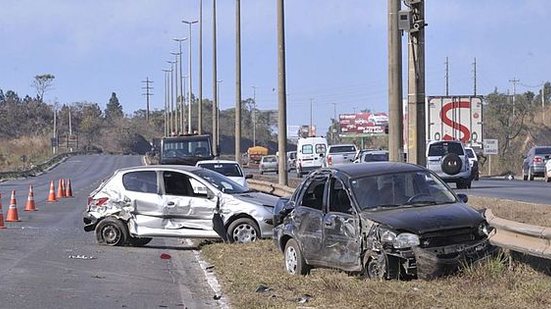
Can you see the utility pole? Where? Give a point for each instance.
(147, 94)
(216, 142)
(474, 77)
(167, 127)
(55, 139)
(543, 103)
(182, 93)
(282, 95)
(171, 96)
(189, 23)
(218, 112)
(416, 85)
(395, 132)
(311, 118)
(238, 80)
(334, 111)
(447, 78)
(176, 119)
(514, 81)
(200, 107)
(254, 115)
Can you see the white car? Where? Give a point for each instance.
(138, 203)
(230, 169)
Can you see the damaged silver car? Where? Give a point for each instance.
(138, 203)
(380, 220)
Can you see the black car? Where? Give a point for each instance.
(381, 220)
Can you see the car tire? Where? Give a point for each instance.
(451, 164)
(467, 184)
(294, 260)
(243, 230)
(546, 177)
(139, 241)
(524, 176)
(111, 232)
(530, 174)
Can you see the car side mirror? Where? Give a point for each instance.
(463, 197)
(248, 176)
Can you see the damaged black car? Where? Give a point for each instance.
(380, 220)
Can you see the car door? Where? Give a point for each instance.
(308, 217)
(142, 190)
(341, 241)
(186, 205)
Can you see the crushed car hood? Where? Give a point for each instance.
(424, 219)
(257, 198)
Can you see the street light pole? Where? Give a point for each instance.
(282, 95)
(189, 23)
(167, 130)
(218, 112)
(176, 83)
(171, 96)
(182, 93)
(237, 81)
(254, 115)
(200, 107)
(214, 81)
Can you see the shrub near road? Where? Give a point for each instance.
(244, 269)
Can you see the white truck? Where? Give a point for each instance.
(310, 154)
(340, 154)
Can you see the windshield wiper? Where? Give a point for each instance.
(421, 203)
(387, 206)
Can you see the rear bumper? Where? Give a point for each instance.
(90, 222)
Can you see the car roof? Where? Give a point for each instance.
(217, 161)
(374, 168)
(185, 168)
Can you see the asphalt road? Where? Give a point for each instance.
(48, 261)
(537, 191)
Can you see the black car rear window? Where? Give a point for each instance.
(543, 150)
(336, 149)
(227, 169)
(442, 149)
(371, 157)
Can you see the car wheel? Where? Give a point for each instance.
(294, 261)
(530, 174)
(451, 164)
(547, 179)
(468, 184)
(139, 241)
(112, 232)
(243, 230)
(524, 176)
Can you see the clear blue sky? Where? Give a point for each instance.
(336, 49)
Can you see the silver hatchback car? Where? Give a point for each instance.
(139, 203)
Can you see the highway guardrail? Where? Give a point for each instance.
(271, 188)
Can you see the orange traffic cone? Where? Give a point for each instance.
(60, 193)
(30, 205)
(12, 210)
(51, 195)
(2, 226)
(68, 190)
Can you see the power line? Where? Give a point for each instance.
(147, 94)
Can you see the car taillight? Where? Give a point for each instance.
(537, 160)
(329, 160)
(97, 202)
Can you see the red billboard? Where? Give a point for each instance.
(362, 124)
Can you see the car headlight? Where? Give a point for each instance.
(400, 241)
(484, 229)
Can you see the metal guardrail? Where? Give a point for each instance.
(529, 239)
(271, 188)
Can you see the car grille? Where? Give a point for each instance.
(447, 237)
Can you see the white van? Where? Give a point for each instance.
(310, 154)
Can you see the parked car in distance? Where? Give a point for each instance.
(340, 154)
(268, 164)
(473, 162)
(533, 164)
(449, 160)
(230, 169)
(547, 175)
(310, 154)
(381, 220)
(138, 203)
(372, 156)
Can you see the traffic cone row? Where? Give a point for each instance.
(64, 190)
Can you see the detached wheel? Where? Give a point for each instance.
(111, 232)
(294, 261)
(138, 241)
(451, 164)
(243, 230)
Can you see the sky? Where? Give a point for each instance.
(336, 50)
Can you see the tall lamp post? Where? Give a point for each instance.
(218, 112)
(189, 23)
(182, 94)
(167, 128)
(175, 120)
(253, 116)
(171, 123)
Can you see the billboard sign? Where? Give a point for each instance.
(455, 118)
(362, 124)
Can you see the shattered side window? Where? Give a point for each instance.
(144, 181)
(313, 197)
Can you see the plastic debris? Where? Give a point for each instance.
(263, 288)
(82, 257)
(304, 299)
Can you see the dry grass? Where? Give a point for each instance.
(35, 148)
(241, 269)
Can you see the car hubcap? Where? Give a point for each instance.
(244, 233)
(110, 234)
(291, 260)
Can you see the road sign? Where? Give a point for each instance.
(490, 146)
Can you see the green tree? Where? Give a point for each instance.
(113, 110)
(42, 83)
